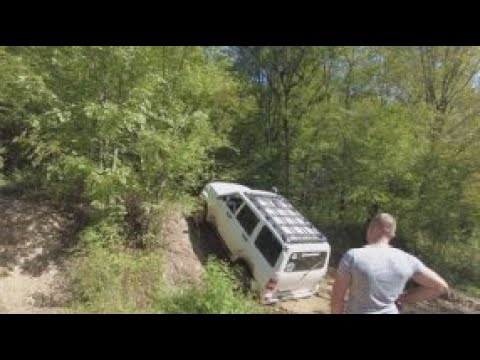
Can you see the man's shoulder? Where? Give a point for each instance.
(366, 251)
(372, 251)
(402, 255)
(356, 251)
(351, 252)
(401, 252)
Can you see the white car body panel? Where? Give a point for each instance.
(290, 284)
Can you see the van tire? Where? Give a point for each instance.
(244, 275)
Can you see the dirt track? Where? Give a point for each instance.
(320, 304)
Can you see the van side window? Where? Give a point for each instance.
(233, 202)
(268, 246)
(247, 219)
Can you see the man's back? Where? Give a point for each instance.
(378, 277)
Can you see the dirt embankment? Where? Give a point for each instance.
(188, 245)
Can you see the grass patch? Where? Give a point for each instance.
(470, 289)
(219, 293)
(457, 262)
(115, 281)
(109, 278)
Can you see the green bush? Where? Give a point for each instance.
(108, 278)
(457, 262)
(219, 293)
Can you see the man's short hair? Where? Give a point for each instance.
(386, 223)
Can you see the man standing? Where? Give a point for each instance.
(375, 275)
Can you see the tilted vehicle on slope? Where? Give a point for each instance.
(281, 253)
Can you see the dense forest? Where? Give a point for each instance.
(343, 132)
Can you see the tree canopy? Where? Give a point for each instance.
(344, 131)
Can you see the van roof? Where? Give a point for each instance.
(292, 226)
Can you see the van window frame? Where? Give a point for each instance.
(252, 212)
(296, 255)
(236, 197)
(275, 239)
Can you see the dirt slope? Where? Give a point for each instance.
(182, 265)
(188, 245)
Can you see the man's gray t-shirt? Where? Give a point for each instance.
(378, 277)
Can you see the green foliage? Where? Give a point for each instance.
(218, 294)
(2, 151)
(124, 116)
(96, 124)
(344, 132)
(359, 130)
(457, 261)
(107, 278)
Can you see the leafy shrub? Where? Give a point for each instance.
(106, 277)
(219, 293)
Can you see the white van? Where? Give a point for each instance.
(281, 253)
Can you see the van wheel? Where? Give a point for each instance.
(244, 275)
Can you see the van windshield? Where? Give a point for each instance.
(305, 261)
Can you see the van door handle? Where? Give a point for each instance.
(244, 237)
(229, 215)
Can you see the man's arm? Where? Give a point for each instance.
(339, 290)
(431, 287)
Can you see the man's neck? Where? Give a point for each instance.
(380, 242)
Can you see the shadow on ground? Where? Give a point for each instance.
(33, 236)
(205, 241)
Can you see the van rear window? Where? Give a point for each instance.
(268, 246)
(305, 261)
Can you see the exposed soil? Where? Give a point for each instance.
(188, 245)
(182, 265)
(33, 239)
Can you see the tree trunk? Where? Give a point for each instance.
(286, 134)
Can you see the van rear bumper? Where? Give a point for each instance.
(272, 298)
